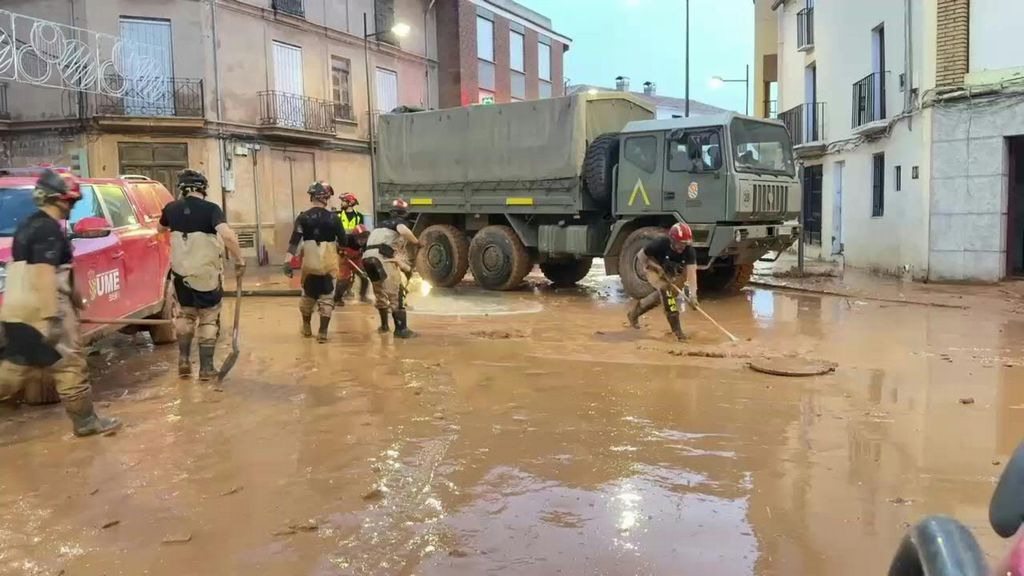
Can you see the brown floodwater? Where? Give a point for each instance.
(526, 433)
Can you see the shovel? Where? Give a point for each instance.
(229, 362)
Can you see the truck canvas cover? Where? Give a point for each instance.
(498, 147)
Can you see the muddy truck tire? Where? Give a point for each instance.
(498, 258)
(568, 272)
(632, 276)
(601, 157)
(724, 280)
(166, 334)
(443, 255)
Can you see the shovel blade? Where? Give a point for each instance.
(228, 364)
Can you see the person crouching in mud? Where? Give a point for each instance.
(665, 260)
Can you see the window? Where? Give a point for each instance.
(544, 61)
(484, 39)
(878, 185)
(761, 147)
(384, 20)
(148, 89)
(642, 151)
(118, 207)
(544, 89)
(387, 90)
(518, 85)
(517, 47)
(87, 207)
(341, 87)
(16, 204)
(898, 178)
(710, 143)
(147, 200)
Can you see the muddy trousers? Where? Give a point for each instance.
(204, 323)
(69, 373)
(666, 295)
(390, 291)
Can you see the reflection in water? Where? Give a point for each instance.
(762, 305)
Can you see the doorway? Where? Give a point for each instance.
(812, 204)
(1015, 210)
(292, 172)
(161, 162)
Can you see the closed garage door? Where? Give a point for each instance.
(161, 162)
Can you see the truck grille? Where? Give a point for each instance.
(770, 198)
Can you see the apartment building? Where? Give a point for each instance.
(907, 119)
(264, 96)
(497, 51)
(665, 107)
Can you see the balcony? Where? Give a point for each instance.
(5, 114)
(175, 103)
(806, 124)
(296, 116)
(293, 7)
(805, 29)
(869, 104)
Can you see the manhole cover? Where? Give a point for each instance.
(792, 367)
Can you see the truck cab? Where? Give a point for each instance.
(732, 178)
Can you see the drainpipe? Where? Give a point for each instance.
(908, 64)
(426, 52)
(221, 143)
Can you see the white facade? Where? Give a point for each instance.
(947, 161)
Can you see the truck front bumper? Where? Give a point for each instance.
(746, 244)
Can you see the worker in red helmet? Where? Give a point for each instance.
(40, 309)
(350, 217)
(316, 238)
(352, 265)
(387, 264)
(667, 260)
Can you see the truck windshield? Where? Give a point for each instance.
(16, 204)
(761, 147)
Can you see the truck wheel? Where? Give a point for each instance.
(724, 280)
(40, 389)
(444, 255)
(630, 272)
(498, 258)
(602, 155)
(566, 273)
(166, 334)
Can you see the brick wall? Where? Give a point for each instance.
(953, 42)
(502, 61)
(449, 40)
(557, 68)
(531, 66)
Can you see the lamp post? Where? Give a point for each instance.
(717, 81)
(401, 30)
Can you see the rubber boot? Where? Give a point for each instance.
(650, 302)
(402, 325)
(364, 287)
(677, 329)
(384, 329)
(307, 328)
(325, 322)
(85, 421)
(206, 370)
(185, 356)
(339, 291)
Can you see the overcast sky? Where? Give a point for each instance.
(645, 40)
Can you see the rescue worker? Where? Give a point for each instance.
(387, 264)
(350, 217)
(317, 238)
(40, 311)
(352, 265)
(199, 235)
(665, 259)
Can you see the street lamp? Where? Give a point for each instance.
(401, 30)
(716, 82)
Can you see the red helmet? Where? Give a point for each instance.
(680, 232)
(360, 230)
(350, 199)
(53, 186)
(399, 207)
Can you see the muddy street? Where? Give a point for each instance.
(526, 433)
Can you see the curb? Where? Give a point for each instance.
(826, 292)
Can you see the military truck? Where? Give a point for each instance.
(562, 181)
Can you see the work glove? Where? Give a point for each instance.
(287, 269)
(690, 296)
(239, 269)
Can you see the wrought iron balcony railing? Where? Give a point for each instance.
(869, 99)
(5, 114)
(298, 112)
(293, 7)
(166, 97)
(806, 123)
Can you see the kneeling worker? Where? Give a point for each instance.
(387, 265)
(39, 314)
(665, 259)
(199, 234)
(317, 238)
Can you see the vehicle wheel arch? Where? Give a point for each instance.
(621, 231)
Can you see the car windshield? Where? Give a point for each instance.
(16, 204)
(761, 147)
